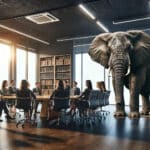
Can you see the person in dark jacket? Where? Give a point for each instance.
(37, 91)
(12, 89)
(75, 90)
(59, 92)
(25, 95)
(82, 103)
(67, 88)
(4, 91)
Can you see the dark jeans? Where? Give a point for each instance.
(3, 107)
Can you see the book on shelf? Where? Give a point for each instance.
(50, 61)
(59, 60)
(67, 60)
(62, 68)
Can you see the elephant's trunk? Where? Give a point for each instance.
(119, 69)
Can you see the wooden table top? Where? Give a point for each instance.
(38, 97)
(75, 97)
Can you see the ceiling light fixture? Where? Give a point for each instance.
(80, 45)
(102, 26)
(131, 20)
(24, 34)
(84, 9)
(75, 38)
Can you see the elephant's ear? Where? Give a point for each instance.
(141, 47)
(99, 50)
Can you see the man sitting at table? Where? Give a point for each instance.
(75, 90)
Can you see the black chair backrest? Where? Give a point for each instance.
(23, 102)
(94, 98)
(98, 98)
(61, 103)
(106, 97)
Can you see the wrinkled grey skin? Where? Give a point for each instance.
(122, 52)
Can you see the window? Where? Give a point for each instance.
(78, 70)
(4, 62)
(20, 65)
(32, 69)
(91, 71)
(86, 69)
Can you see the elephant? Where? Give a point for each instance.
(127, 55)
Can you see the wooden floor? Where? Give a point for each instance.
(108, 134)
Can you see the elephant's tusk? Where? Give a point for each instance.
(129, 63)
(128, 70)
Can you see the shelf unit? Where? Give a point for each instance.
(52, 69)
(47, 74)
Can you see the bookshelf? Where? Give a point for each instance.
(47, 74)
(52, 69)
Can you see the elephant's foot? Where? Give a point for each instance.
(134, 114)
(144, 112)
(119, 114)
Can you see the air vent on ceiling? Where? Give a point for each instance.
(42, 18)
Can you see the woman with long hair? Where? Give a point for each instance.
(24, 95)
(4, 91)
(82, 103)
(4, 88)
(101, 86)
(58, 94)
(59, 91)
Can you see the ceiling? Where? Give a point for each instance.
(73, 22)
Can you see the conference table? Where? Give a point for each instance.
(40, 98)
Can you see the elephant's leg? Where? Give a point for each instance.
(145, 105)
(120, 111)
(136, 82)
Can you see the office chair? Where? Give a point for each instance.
(24, 105)
(60, 105)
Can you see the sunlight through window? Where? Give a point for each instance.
(20, 66)
(4, 62)
(32, 69)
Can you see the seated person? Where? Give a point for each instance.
(82, 103)
(59, 92)
(12, 89)
(67, 88)
(101, 86)
(37, 91)
(4, 91)
(25, 92)
(4, 88)
(75, 90)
